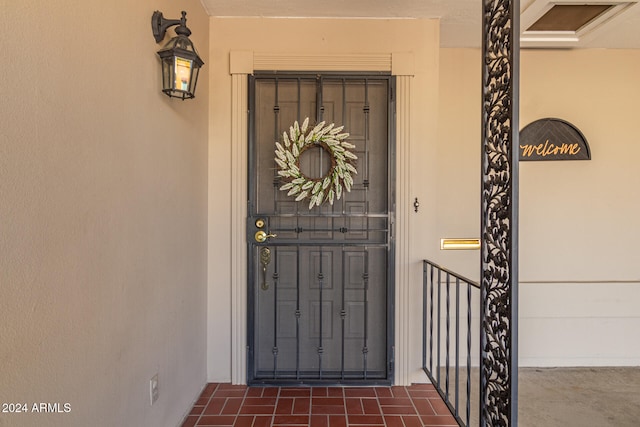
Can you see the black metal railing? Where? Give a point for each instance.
(451, 339)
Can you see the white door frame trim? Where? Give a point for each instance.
(243, 63)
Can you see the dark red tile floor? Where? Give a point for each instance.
(241, 406)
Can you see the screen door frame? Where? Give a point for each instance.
(391, 204)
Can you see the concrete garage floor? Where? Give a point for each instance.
(568, 397)
(580, 397)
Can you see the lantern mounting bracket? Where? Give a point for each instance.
(160, 25)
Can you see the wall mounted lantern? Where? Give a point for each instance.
(180, 61)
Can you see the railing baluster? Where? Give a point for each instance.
(468, 352)
(431, 323)
(439, 327)
(457, 376)
(448, 345)
(425, 267)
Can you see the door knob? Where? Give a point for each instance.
(261, 236)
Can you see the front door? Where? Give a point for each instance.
(320, 289)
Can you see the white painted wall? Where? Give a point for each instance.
(580, 285)
(103, 201)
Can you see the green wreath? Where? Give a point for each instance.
(339, 177)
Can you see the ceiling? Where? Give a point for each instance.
(460, 19)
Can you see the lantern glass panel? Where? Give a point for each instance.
(167, 73)
(194, 79)
(182, 74)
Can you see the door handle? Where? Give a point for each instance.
(261, 236)
(265, 259)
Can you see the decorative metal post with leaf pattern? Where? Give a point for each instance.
(499, 252)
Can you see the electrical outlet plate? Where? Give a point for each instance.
(154, 390)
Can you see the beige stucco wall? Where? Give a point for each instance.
(579, 257)
(419, 38)
(103, 200)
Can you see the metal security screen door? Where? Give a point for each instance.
(320, 289)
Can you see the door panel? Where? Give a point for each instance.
(320, 302)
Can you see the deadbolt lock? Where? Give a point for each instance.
(261, 236)
(259, 222)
